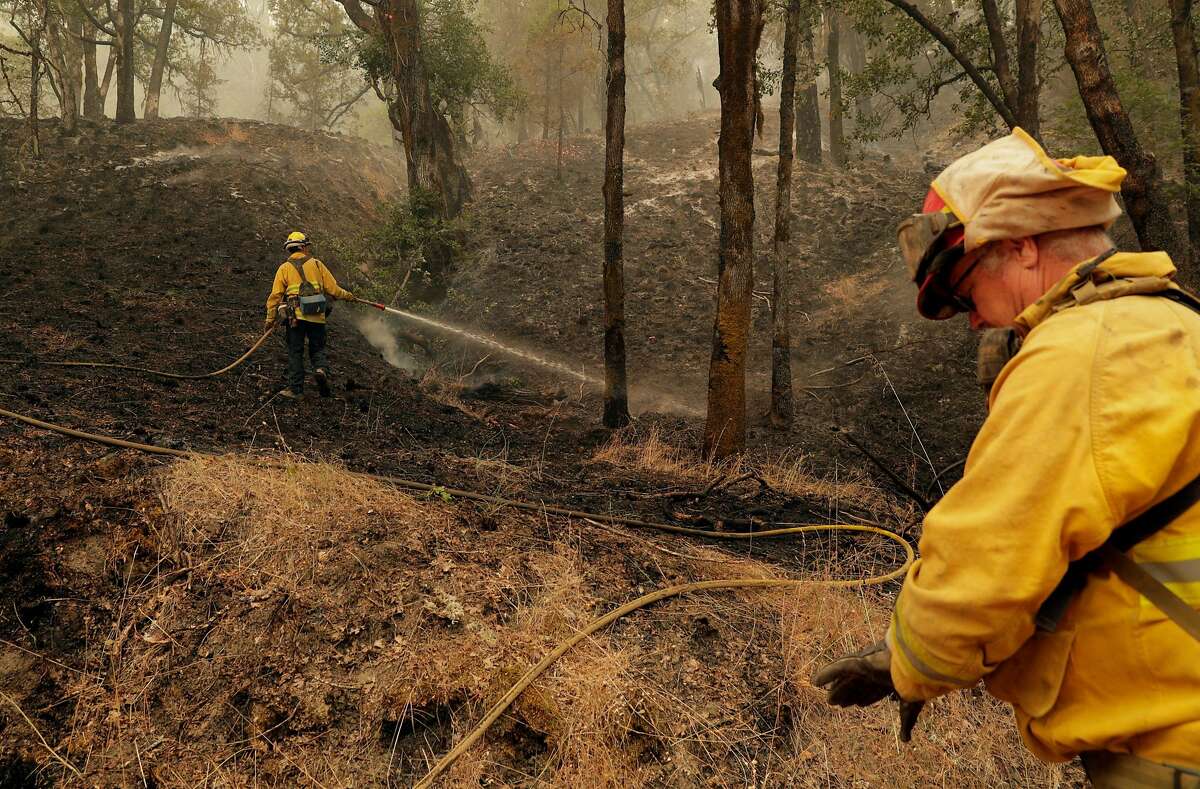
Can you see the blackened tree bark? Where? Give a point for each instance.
(125, 29)
(1029, 34)
(837, 136)
(616, 388)
(1184, 33)
(1142, 190)
(161, 48)
(781, 344)
(808, 106)
(739, 30)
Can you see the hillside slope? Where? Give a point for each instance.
(267, 617)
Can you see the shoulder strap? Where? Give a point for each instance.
(1153, 590)
(299, 265)
(1181, 296)
(1122, 539)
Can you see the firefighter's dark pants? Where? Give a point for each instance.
(315, 332)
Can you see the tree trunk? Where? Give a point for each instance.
(73, 31)
(781, 343)
(125, 106)
(1000, 63)
(808, 103)
(616, 391)
(562, 112)
(739, 30)
(35, 80)
(1142, 190)
(63, 48)
(1029, 33)
(856, 51)
(93, 104)
(1184, 34)
(837, 136)
(436, 176)
(546, 105)
(154, 88)
(109, 68)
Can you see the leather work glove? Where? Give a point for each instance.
(348, 297)
(864, 678)
(270, 324)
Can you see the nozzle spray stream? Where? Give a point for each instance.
(487, 342)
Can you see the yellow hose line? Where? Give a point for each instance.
(525, 681)
(146, 370)
(98, 438)
(653, 597)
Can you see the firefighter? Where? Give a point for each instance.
(302, 297)
(1064, 568)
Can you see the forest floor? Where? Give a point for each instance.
(224, 622)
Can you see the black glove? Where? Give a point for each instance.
(864, 678)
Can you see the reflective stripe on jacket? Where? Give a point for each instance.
(287, 283)
(1093, 421)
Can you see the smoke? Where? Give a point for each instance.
(375, 328)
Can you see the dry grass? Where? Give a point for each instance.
(304, 626)
(786, 473)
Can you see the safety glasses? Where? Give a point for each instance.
(949, 291)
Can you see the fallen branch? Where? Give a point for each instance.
(905, 488)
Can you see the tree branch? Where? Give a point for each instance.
(8, 83)
(997, 103)
(359, 16)
(1004, 76)
(335, 114)
(17, 52)
(92, 18)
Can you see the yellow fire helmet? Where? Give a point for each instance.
(295, 241)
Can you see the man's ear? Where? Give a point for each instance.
(1025, 252)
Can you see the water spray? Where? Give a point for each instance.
(486, 341)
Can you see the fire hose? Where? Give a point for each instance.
(537, 670)
(160, 373)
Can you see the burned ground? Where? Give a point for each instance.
(218, 622)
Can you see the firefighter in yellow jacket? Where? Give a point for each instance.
(1086, 468)
(301, 298)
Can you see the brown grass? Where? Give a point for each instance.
(297, 621)
(786, 473)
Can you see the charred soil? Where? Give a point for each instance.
(267, 616)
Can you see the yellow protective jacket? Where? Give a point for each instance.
(287, 283)
(1096, 419)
